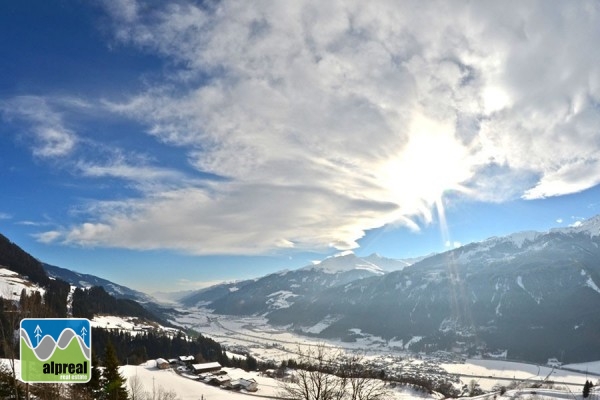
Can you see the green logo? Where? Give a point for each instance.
(56, 350)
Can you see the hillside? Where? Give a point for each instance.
(86, 281)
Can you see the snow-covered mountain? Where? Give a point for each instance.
(345, 262)
(272, 294)
(534, 294)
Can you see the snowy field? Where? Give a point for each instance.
(265, 342)
(12, 284)
(127, 324)
(501, 372)
(188, 389)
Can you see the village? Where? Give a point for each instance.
(210, 373)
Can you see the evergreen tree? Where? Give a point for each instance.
(91, 389)
(586, 389)
(114, 382)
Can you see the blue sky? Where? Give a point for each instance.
(167, 146)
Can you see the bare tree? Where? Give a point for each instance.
(324, 374)
(137, 391)
(163, 394)
(315, 379)
(136, 388)
(360, 382)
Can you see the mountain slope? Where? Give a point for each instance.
(86, 281)
(274, 293)
(535, 294)
(21, 262)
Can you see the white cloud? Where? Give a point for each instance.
(184, 284)
(48, 237)
(144, 177)
(5, 216)
(576, 224)
(326, 119)
(51, 138)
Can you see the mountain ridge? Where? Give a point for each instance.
(497, 294)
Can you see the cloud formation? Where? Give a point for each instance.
(326, 119)
(51, 138)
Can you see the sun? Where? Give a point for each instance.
(432, 162)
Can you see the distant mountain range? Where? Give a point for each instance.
(275, 292)
(534, 294)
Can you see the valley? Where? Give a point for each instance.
(255, 336)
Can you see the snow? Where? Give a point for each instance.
(590, 226)
(494, 369)
(592, 284)
(12, 284)
(519, 238)
(593, 367)
(520, 283)
(322, 325)
(345, 261)
(413, 340)
(280, 298)
(190, 389)
(129, 324)
(111, 321)
(265, 342)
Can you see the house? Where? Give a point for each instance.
(219, 380)
(161, 363)
(205, 376)
(186, 360)
(206, 367)
(553, 362)
(249, 385)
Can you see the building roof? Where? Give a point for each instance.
(210, 365)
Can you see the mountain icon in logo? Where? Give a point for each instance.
(55, 350)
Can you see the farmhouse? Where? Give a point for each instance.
(218, 380)
(186, 360)
(553, 362)
(206, 367)
(249, 385)
(161, 363)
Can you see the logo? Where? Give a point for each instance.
(56, 350)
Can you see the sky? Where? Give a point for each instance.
(168, 146)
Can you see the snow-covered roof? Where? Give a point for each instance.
(210, 365)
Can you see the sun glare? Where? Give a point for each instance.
(494, 99)
(432, 163)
